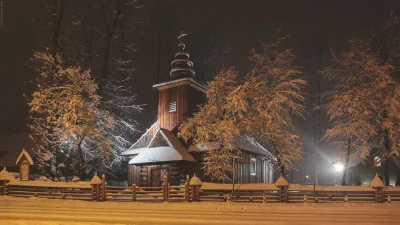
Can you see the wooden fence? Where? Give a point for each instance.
(195, 190)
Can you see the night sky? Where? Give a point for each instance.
(242, 24)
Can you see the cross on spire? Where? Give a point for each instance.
(181, 44)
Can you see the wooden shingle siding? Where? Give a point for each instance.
(184, 107)
(133, 174)
(169, 120)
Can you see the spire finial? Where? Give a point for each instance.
(180, 37)
(181, 43)
(181, 66)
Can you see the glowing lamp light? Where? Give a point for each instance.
(339, 167)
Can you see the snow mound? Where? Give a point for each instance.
(38, 183)
(251, 187)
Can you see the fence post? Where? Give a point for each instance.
(285, 189)
(193, 193)
(346, 199)
(165, 189)
(187, 190)
(280, 194)
(93, 192)
(282, 185)
(134, 192)
(228, 198)
(98, 192)
(4, 179)
(95, 183)
(264, 198)
(103, 188)
(6, 191)
(195, 183)
(305, 199)
(377, 185)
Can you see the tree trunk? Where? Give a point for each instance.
(387, 150)
(233, 177)
(346, 163)
(82, 166)
(282, 170)
(385, 165)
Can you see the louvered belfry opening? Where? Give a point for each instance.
(172, 107)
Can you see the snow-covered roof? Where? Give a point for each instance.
(160, 155)
(200, 147)
(281, 181)
(376, 182)
(28, 157)
(5, 175)
(95, 180)
(132, 152)
(190, 81)
(248, 143)
(244, 142)
(163, 147)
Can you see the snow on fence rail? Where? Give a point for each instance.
(195, 190)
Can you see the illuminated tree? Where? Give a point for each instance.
(273, 92)
(261, 106)
(385, 40)
(359, 79)
(215, 123)
(65, 105)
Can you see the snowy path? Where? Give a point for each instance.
(20, 211)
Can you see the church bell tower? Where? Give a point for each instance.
(179, 97)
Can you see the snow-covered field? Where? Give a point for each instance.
(35, 211)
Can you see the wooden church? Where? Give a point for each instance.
(159, 152)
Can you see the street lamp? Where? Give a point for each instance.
(339, 167)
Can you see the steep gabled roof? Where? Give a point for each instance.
(164, 147)
(26, 155)
(147, 137)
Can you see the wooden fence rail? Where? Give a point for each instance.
(194, 190)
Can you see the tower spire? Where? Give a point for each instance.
(181, 66)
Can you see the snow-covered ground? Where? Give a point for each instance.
(35, 211)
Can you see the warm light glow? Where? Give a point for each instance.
(307, 176)
(339, 167)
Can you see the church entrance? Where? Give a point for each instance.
(157, 174)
